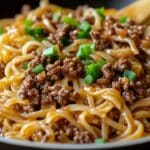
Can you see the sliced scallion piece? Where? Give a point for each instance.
(25, 65)
(85, 50)
(88, 79)
(100, 11)
(101, 63)
(51, 52)
(84, 26)
(28, 22)
(100, 141)
(83, 34)
(131, 75)
(68, 20)
(38, 69)
(123, 20)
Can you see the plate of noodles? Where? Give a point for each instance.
(75, 78)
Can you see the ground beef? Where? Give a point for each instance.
(63, 31)
(130, 28)
(131, 91)
(101, 42)
(59, 94)
(2, 67)
(43, 90)
(54, 71)
(73, 67)
(64, 128)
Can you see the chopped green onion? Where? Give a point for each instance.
(129, 74)
(84, 26)
(38, 69)
(55, 16)
(28, 22)
(83, 34)
(51, 52)
(2, 30)
(85, 50)
(123, 20)
(38, 31)
(101, 63)
(100, 11)
(88, 79)
(29, 31)
(93, 70)
(100, 141)
(88, 61)
(69, 20)
(65, 41)
(25, 65)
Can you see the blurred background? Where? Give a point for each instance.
(8, 8)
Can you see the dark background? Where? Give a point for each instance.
(8, 8)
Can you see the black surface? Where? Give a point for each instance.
(9, 8)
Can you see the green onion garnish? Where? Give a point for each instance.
(83, 34)
(123, 20)
(38, 31)
(69, 20)
(88, 61)
(100, 11)
(101, 63)
(38, 69)
(85, 50)
(25, 65)
(34, 32)
(29, 31)
(100, 141)
(2, 30)
(88, 79)
(28, 22)
(51, 52)
(84, 26)
(93, 70)
(129, 74)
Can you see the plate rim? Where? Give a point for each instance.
(37, 145)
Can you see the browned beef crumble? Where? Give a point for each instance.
(73, 67)
(62, 31)
(130, 90)
(64, 128)
(101, 41)
(111, 27)
(43, 90)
